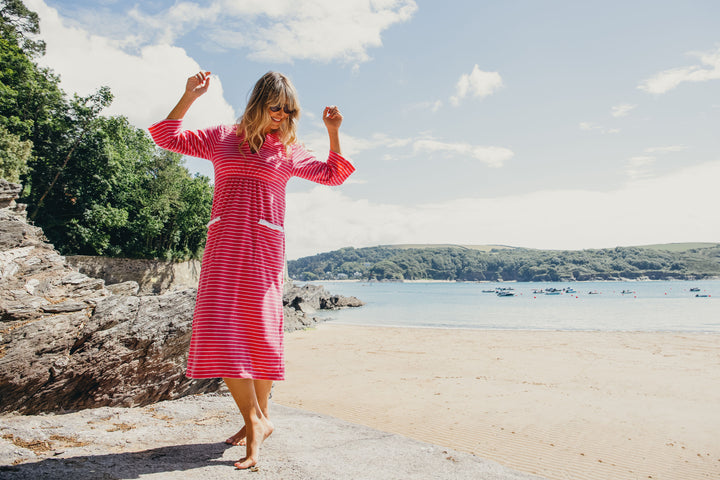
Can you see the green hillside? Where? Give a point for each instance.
(679, 247)
(495, 263)
(483, 248)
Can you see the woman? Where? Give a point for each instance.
(238, 321)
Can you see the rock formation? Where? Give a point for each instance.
(301, 302)
(69, 341)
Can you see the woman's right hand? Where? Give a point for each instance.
(198, 84)
(194, 88)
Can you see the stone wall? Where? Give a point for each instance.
(153, 276)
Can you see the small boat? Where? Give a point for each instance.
(701, 296)
(695, 289)
(570, 290)
(505, 293)
(488, 291)
(627, 292)
(594, 292)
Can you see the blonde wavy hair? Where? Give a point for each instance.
(271, 90)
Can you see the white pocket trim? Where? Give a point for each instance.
(265, 223)
(214, 220)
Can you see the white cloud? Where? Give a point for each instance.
(594, 127)
(421, 145)
(433, 106)
(663, 82)
(476, 84)
(146, 85)
(642, 212)
(622, 110)
(283, 30)
(639, 167)
(668, 149)
(492, 156)
(317, 141)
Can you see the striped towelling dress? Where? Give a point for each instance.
(237, 327)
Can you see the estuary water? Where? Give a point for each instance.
(652, 306)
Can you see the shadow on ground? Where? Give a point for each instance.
(176, 458)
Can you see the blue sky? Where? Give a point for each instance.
(542, 124)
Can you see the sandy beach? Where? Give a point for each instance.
(563, 405)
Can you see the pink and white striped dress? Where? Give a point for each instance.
(238, 322)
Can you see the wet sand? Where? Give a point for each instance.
(564, 405)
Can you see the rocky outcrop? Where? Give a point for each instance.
(300, 302)
(69, 341)
(8, 193)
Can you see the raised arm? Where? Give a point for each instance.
(195, 87)
(168, 134)
(333, 119)
(337, 168)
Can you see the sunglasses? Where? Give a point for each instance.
(285, 109)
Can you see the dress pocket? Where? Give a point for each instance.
(271, 226)
(270, 248)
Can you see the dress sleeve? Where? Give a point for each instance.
(168, 134)
(333, 172)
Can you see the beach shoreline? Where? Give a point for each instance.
(561, 404)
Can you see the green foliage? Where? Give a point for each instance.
(14, 155)
(121, 196)
(525, 265)
(16, 21)
(96, 185)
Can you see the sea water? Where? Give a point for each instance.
(668, 306)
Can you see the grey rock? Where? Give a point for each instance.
(300, 301)
(64, 307)
(125, 288)
(308, 295)
(130, 352)
(8, 192)
(67, 342)
(338, 301)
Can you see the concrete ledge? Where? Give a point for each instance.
(183, 439)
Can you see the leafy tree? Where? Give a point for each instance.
(17, 21)
(14, 155)
(121, 196)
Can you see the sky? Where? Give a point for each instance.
(531, 123)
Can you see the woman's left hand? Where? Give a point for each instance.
(332, 118)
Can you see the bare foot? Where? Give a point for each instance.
(238, 438)
(256, 435)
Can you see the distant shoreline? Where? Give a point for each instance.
(486, 282)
